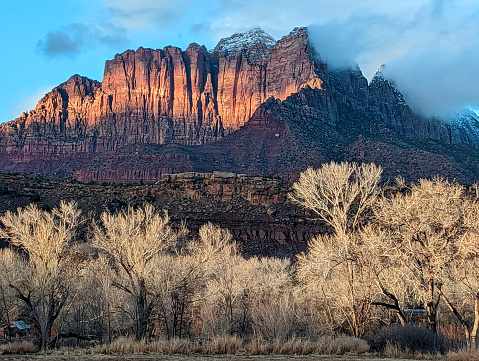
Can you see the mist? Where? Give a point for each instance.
(430, 48)
(432, 56)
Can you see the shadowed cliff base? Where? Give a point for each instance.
(255, 209)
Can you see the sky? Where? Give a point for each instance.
(430, 48)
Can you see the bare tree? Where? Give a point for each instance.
(339, 276)
(391, 292)
(339, 194)
(182, 281)
(272, 304)
(10, 267)
(44, 282)
(132, 239)
(430, 228)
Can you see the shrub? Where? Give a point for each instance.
(408, 338)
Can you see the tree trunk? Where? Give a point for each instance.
(396, 307)
(476, 321)
(460, 319)
(7, 313)
(431, 306)
(109, 323)
(142, 313)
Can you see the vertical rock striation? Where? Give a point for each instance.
(163, 96)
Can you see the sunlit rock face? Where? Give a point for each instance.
(171, 110)
(169, 95)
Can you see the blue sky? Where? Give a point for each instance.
(430, 47)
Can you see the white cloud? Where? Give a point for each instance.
(430, 47)
(148, 14)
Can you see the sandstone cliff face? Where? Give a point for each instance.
(160, 96)
(168, 111)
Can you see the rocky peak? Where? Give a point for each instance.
(386, 86)
(298, 32)
(254, 44)
(465, 127)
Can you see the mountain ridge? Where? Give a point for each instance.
(206, 102)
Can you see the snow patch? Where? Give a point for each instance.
(256, 45)
(465, 126)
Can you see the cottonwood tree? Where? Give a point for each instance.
(390, 291)
(225, 306)
(340, 194)
(90, 315)
(431, 228)
(9, 268)
(462, 299)
(183, 278)
(44, 279)
(460, 291)
(132, 239)
(339, 277)
(224, 309)
(271, 300)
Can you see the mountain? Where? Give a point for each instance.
(251, 105)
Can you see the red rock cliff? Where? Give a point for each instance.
(161, 96)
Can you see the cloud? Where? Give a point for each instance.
(430, 47)
(75, 38)
(431, 54)
(278, 17)
(149, 14)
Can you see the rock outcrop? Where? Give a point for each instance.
(255, 209)
(252, 105)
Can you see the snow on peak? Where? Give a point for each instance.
(300, 31)
(255, 44)
(465, 126)
(379, 73)
(465, 116)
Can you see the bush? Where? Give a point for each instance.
(408, 338)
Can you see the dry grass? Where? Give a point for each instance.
(341, 345)
(18, 348)
(129, 346)
(396, 352)
(232, 345)
(223, 345)
(463, 355)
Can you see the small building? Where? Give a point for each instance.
(17, 328)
